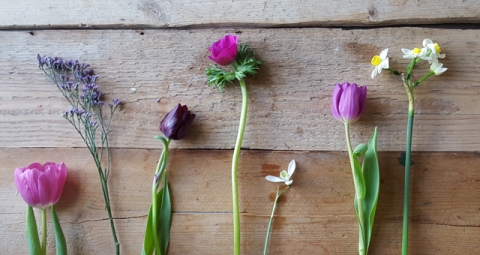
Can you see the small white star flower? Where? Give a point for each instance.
(380, 62)
(437, 68)
(284, 175)
(415, 53)
(434, 50)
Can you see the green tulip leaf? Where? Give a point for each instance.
(32, 233)
(59, 236)
(371, 174)
(163, 224)
(148, 244)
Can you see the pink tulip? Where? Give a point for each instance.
(224, 50)
(41, 186)
(348, 102)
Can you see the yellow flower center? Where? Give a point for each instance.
(437, 47)
(376, 60)
(416, 51)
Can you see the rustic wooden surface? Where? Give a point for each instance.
(315, 215)
(291, 94)
(159, 48)
(253, 13)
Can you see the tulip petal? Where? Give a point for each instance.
(337, 92)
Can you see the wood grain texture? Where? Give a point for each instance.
(210, 13)
(289, 105)
(315, 216)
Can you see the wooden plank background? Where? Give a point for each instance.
(159, 48)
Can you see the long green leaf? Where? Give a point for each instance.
(33, 240)
(148, 246)
(371, 174)
(59, 236)
(164, 218)
(163, 224)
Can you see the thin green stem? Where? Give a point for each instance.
(160, 176)
(267, 238)
(408, 152)
(44, 231)
(236, 154)
(358, 194)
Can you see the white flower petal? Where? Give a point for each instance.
(383, 54)
(427, 42)
(291, 168)
(271, 178)
(288, 183)
(374, 73)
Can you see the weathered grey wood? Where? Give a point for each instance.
(289, 98)
(315, 216)
(184, 13)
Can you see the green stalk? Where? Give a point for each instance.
(44, 232)
(358, 194)
(408, 152)
(236, 154)
(267, 238)
(160, 175)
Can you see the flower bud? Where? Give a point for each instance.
(177, 122)
(348, 102)
(224, 50)
(41, 185)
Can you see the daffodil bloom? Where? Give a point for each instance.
(380, 62)
(284, 175)
(415, 53)
(437, 68)
(434, 50)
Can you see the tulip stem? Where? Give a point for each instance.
(160, 175)
(236, 154)
(267, 238)
(359, 194)
(44, 231)
(408, 152)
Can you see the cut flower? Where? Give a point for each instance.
(41, 185)
(284, 175)
(415, 53)
(434, 50)
(225, 50)
(380, 62)
(348, 102)
(437, 68)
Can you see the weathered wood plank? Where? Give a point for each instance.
(289, 99)
(314, 217)
(185, 13)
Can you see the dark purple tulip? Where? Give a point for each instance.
(348, 102)
(224, 50)
(176, 124)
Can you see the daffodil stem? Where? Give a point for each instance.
(423, 78)
(267, 238)
(236, 154)
(408, 152)
(44, 231)
(160, 175)
(360, 200)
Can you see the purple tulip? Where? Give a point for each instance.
(224, 50)
(41, 185)
(348, 102)
(177, 122)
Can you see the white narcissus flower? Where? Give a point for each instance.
(437, 68)
(415, 53)
(435, 50)
(284, 175)
(380, 62)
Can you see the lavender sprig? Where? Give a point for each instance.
(77, 82)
